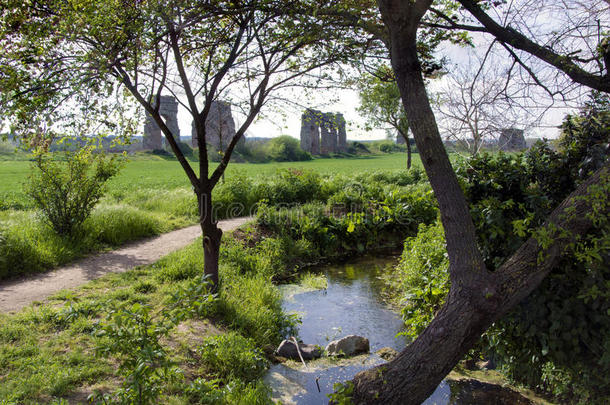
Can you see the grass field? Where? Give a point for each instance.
(159, 173)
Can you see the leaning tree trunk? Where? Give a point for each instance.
(408, 152)
(476, 297)
(212, 236)
(416, 372)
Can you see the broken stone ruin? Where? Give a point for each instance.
(512, 139)
(168, 109)
(220, 125)
(323, 133)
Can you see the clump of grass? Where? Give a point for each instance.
(313, 281)
(114, 225)
(232, 356)
(184, 264)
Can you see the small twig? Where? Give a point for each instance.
(305, 364)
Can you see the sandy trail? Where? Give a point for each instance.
(16, 294)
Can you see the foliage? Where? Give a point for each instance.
(423, 274)
(380, 101)
(342, 393)
(134, 336)
(381, 217)
(210, 392)
(66, 193)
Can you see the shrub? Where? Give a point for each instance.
(423, 276)
(357, 148)
(66, 192)
(557, 338)
(285, 149)
(290, 186)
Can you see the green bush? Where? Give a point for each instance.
(290, 186)
(423, 275)
(389, 215)
(232, 356)
(66, 192)
(285, 149)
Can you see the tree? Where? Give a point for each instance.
(56, 52)
(380, 104)
(476, 102)
(477, 296)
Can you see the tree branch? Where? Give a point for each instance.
(517, 40)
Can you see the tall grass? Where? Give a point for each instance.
(28, 246)
(47, 351)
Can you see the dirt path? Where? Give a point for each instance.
(16, 294)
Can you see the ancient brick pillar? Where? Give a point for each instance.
(168, 109)
(341, 133)
(328, 134)
(219, 127)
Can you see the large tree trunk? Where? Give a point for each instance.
(212, 236)
(408, 150)
(477, 297)
(416, 372)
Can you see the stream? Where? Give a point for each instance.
(352, 304)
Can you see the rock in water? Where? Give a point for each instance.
(387, 353)
(348, 346)
(289, 350)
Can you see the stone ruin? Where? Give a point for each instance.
(220, 126)
(512, 139)
(153, 137)
(323, 133)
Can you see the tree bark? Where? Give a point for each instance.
(405, 136)
(408, 153)
(212, 236)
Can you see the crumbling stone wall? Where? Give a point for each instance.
(219, 127)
